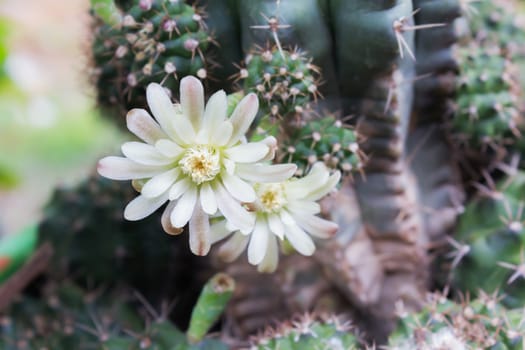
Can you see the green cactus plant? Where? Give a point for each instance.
(66, 316)
(154, 41)
(489, 244)
(87, 230)
(472, 324)
(309, 332)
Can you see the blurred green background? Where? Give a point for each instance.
(50, 132)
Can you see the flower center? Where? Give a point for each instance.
(271, 197)
(202, 163)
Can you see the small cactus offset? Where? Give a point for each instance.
(285, 81)
(154, 41)
(472, 324)
(324, 139)
(309, 332)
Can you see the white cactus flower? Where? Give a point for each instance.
(196, 158)
(283, 210)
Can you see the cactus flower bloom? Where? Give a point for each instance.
(285, 210)
(196, 158)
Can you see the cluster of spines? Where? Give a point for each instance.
(285, 81)
(309, 332)
(482, 323)
(489, 244)
(324, 139)
(156, 41)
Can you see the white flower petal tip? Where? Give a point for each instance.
(119, 168)
(243, 116)
(192, 99)
(141, 207)
(200, 241)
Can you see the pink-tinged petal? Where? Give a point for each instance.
(141, 207)
(265, 173)
(174, 124)
(215, 112)
(243, 116)
(299, 240)
(199, 232)
(326, 188)
(271, 142)
(179, 188)
(143, 126)
(183, 211)
(207, 198)
(159, 184)
(276, 225)
(192, 100)
(247, 153)
(271, 259)
(220, 135)
(239, 189)
(169, 148)
(219, 231)
(258, 243)
(299, 188)
(317, 226)
(166, 222)
(232, 210)
(119, 168)
(144, 154)
(301, 207)
(233, 247)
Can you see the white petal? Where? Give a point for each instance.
(199, 232)
(317, 226)
(141, 207)
(167, 116)
(207, 198)
(166, 222)
(299, 188)
(169, 148)
(215, 112)
(192, 100)
(232, 210)
(119, 168)
(144, 154)
(276, 225)
(239, 189)
(271, 142)
(229, 165)
(233, 247)
(247, 153)
(265, 173)
(219, 231)
(258, 243)
(326, 188)
(179, 188)
(220, 135)
(271, 259)
(302, 207)
(159, 183)
(299, 239)
(184, 208)
(243, 116)
(143, 126)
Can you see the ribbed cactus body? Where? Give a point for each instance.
(478, 324)
(156, 41)
(487, 114)
(493, 236)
